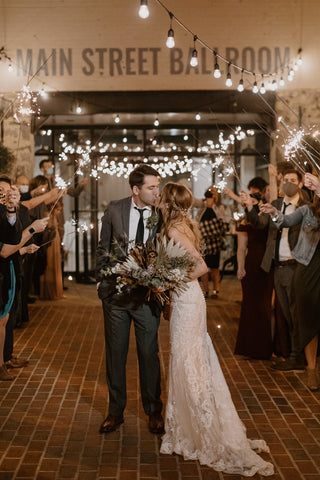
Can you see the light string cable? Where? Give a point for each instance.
(221, 57)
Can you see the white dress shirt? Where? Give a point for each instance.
(12, 220)
(284, 248)
(134, 220)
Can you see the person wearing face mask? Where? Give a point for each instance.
(306, 280)
(278, 257)
(46, 166)
(254, 338)
(22, 183)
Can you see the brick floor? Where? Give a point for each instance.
(50, 414)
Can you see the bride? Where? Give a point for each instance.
(201, 421)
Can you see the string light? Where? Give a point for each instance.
(78, 109)
(216, 72)
(156, 122)
(10, 67)
(42, 92)
(179, 163)
(281, 82)
(255, 85)
(262, 87)
(198, 116)
(194, 56)
(241, 86)
(229, 81)
(144, 10)
(194, 59)
(117, 119)
(170, 40)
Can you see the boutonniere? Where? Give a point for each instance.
(152, 221)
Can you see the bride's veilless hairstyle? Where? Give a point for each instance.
(178, 200)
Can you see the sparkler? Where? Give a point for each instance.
(302, 148)
(27, 104)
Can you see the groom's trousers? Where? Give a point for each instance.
(117, 321)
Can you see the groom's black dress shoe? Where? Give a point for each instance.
(156, 424)
(111, 423)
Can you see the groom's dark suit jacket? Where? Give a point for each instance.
(114, 231)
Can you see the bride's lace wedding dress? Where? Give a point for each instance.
(201, 420)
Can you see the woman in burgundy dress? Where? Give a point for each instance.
(254, 337)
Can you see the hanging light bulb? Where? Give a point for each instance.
(10, 67)
(290, 75)
(194, 56)
(274, 85)
(216, 72)
(144, 10)
(228, 81)
(240, 86)
(262, 89)
(43, 93)
(299, 61)
(170, 40)
(281, 82)
(198, 116)
(255, 88)
(156, 122)
(117, 119)
(78, 109)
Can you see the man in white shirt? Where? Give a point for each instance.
(125, 222)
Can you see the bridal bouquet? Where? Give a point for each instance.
(158, 265)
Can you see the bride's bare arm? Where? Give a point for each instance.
(182, 238)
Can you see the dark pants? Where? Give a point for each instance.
(283, 284)
(117, 322)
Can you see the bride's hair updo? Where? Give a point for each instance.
(176, 200)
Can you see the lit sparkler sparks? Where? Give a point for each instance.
(302, 148)
(27, 104)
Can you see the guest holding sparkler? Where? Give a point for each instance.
(51, 281)
(47, 168)
(254, 337)
(278, 259)
(306, 280)
(8, 276)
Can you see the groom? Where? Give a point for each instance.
(126, 220)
